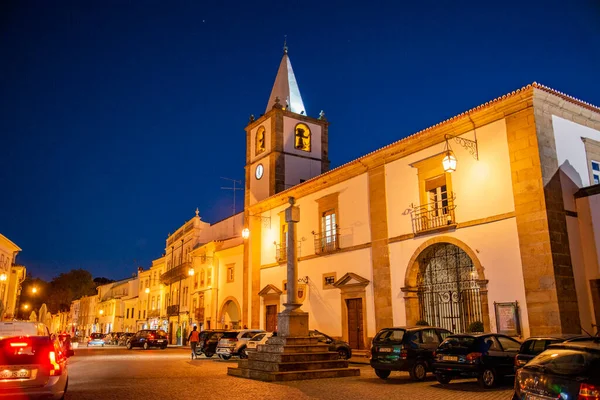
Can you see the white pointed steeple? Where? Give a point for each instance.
(286, 87)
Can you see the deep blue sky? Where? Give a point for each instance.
(117, 118)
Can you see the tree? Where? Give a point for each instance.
(102, 281)
(33, 316)
(69, 286)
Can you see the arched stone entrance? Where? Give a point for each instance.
(230, 314)
(445, 286)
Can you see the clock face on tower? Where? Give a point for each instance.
(259, 171)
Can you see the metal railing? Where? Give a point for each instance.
(176, 274)
(281, 251)
(326, 242)
(434, 215)
(173, 310)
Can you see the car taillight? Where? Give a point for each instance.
(589, 392)
(150, 337)
(18, 344)
(55, 368)
(472, 357)
(518, 362)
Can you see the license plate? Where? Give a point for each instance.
(450, 358)
(385, 349)
(161, 340)
(536, 397)
(15, 374)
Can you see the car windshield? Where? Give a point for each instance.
(24, 350)
(161, 333)
(390, 335)
(465, 342)
(230, 335)
(565, 361)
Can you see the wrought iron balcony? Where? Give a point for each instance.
(435, 215)
(281, 252)
(176, 274)
(326, 242)
(173, 310)
(154, 314)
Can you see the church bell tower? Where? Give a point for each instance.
(284, 147)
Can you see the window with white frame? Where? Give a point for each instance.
(595, 172)
(329, 227)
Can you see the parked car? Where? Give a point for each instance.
(406, 348)
(96, 339)
(485, 356)
(537, 344)
(22, 328)
(33, 366)
(259, 338)
(339, 346)
(209, 339)
(124, 338)
(147, 338)
(567, 370)
(233, 343)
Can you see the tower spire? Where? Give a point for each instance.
(286, 87)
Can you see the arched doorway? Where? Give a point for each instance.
(448, 288)
(230, 314)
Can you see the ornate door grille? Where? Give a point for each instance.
(448, 288)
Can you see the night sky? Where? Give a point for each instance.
(118, 118)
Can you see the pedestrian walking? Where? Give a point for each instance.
(194, 338)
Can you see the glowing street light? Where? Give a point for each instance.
(191, 272)
(449, 162)
(3, 276)
(26, 306)
(34, 290)
(101, 312)
(147, 290)
(246, 233)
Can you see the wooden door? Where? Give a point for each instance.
(355, 323)
(271, 318)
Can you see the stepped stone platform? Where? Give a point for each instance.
(292, 358)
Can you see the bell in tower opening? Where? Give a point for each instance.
(302, 137)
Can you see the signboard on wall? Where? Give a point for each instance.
(507, 318)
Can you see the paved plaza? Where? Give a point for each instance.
(116, 373)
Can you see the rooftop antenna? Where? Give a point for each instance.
(234, 188)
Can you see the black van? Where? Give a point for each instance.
(406, 348)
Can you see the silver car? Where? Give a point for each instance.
(233, 343)
(32, 366)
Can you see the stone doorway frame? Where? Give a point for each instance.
(271, 297)
(353, 286)
(410, 289)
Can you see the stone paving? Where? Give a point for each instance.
(112, 373)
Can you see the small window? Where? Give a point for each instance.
(596, 172)
(209, 277)
(230, 273)
(430, 336)
(302, 137)
(328, 280)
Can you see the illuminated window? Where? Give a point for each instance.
(209, 277)
(202, 278)
(302, 137)
(196, 281)
(327, 236)
(595, 172)
(329, 226)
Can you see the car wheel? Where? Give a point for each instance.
(443, 379)
(129, 346)
(382, 373)
(65, 392)
(343, 353)
(418, 372)
(209, 354)
(146, 347)
(487, 379)
(102, 344)
(225, 356)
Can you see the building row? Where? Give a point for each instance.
(487, 219)
(12, 276)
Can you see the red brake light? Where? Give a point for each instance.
(150, 337)
(55, 368)
(589, 392)
(472, 357)
(18, 344)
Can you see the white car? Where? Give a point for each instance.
(260, 338)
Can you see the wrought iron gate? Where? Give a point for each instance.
(448, 288)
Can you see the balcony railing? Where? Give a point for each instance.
(176, 274)
(154, 314)
(281, 252)
(435, 215)
(173, 310)
(326, 242)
